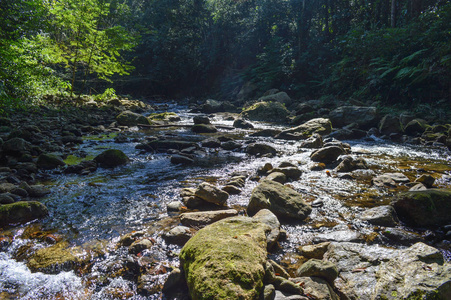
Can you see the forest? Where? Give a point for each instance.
(390, 51)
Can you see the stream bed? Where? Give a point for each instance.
(92, 212)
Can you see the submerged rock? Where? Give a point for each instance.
(424, 208)
(54, 259)
(22, 212)
(226, 260)
(283, 201)
(111, 158)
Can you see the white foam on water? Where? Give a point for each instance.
(17, 279)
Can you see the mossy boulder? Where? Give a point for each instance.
(129, 118)
(53, 259)
(424, 208)
(16, 146)
(21, 212)
(320, 126)
(165, 117)
(226, 260)
(266, 111)
(280, 97)
(49, 161)
(111, 158)
(365, 117)
(283, 201)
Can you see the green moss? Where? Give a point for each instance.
(101, 137)
(53, 259)
(163, 116)
(21, 212)
(75, 160)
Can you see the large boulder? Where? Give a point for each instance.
(16, 146)
(390, 124)
(280, 97)
(212, 106)
(22, 212)
(365, 117)
(375, 272)
(49, 161)
(283, 201)
(202, 218)
(111, 158)
(414, 127)
(383, 215)
(319, 125)
(266, 111)
(424, 208)
(226, 260)
(327, 154)
(54, 259)
(129, 118)
(212, 194)
(260, 149)
(204, 128)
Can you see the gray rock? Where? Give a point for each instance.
(212, 106)
(417, 187)
(277, 176)
(243, 124)
(327, 154)
(397, 236)
(49, 161)
(390, 180)
(111, 158)
(382, 215)
(175, 281)
(140, 245)
(21, 212)
(260, 149)
(212, 194)
(426, 180)
(315, 141)
(230, 145)
(348, 164)
(201, 120)
(314, 251)
(283, 201)
(280, 97)
(37, 191)
(6, 199)
(204, 128)
(174, 206)
(365, 117)
(266, 111)
(375, 272)
(202, 218)
(317, 287)
(178, 235)
(318, 268)
(267, 217)
(211, 143)
(292, 173)
(269, 292)
(181, 159)
(231, 189)
(390, 124)
(16, 146)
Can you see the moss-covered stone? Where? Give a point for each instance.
(49, 161)
(226, 259)
(166, 116)
(425, 208)
(266, 111)
(21, 212)
(111, 158)
(129, 118)
(53, 259)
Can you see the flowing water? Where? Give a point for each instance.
(91, 212)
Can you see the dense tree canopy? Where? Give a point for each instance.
(385, 50)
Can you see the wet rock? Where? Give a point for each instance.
(390, 124)
(320, 126)
(269, 292)
(164, 117)
(54, 259)
(382, 215)
(175, 282)
(231, 189)
(318, 268)
(277, 176)
(139, 246)
(37, 190)
(397, 236)
(230, 145)
(243, 124)
(201, 120)
(267, 132)
(127, 239)
(288, 296)
(49, 161)
(280, 97)
(414, 127)
(226, 260)
(266, 111)
(315, 141)
(6, 199)
(129, 118)
(314, 251)
(21, 212)
(212, 194)
(424, 208)
(6, 187)
(417, 187)
(316, 287)
(202, 218)
(16, 147)
(111, 158)
(286, 286)
(211, 143)
(374, 272)
(178, 235)
(390, 180)
(174, 206)
(83, 168)
(267, 217)
(365, 117)
(164, 145)
(204, 128)
(349, 164)
(260, 149)
(181, 159)
(327, 154)
(426, 180)
(292, 173)
(283, 201)
(339, 233)
(211, 106)
(19, 192)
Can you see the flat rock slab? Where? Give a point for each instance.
(202, 218)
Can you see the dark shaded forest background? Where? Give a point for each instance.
(391, 51)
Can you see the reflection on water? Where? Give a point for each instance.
(104, 205)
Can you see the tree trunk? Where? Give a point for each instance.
(393, 13)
